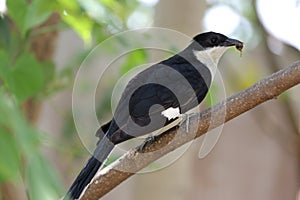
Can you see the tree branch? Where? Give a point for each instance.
(135, 159)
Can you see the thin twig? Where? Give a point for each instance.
(136, 159)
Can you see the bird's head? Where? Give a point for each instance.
(214, 45)
(214, 40)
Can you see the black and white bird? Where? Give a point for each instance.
(156, 96)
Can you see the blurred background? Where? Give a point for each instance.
(43, 43)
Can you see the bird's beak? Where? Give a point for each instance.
(233, 42)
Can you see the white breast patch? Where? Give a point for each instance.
(210, 57)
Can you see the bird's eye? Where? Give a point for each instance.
(213, 40)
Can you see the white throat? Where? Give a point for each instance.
(210, 57)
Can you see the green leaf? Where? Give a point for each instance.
(27, 76)
(69, 5)
(49, 78)
(9, 157)
(26, 138)
(17, 10)
(5, 75)
(48, 71)
(81, 24)
(28, 15)
(42, 180)
(3, 64)
(134, 59)
(77, 19)
(4, 33)
(38, 11)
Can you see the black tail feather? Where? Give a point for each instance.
(83, 179)
(103, 149)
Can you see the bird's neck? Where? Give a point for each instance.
(210, 57)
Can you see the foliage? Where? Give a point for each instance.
(20, 153)
(23, 77)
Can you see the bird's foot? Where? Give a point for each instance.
(149, 140)
(185, 118)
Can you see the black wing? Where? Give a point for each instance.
(172, 83)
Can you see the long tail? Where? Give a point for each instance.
(84, 178)
(102, 151)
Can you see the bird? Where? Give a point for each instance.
(156, 96)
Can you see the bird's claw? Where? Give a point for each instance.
(186, 118)
(147, 141)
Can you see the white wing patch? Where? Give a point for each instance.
(171, 113)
